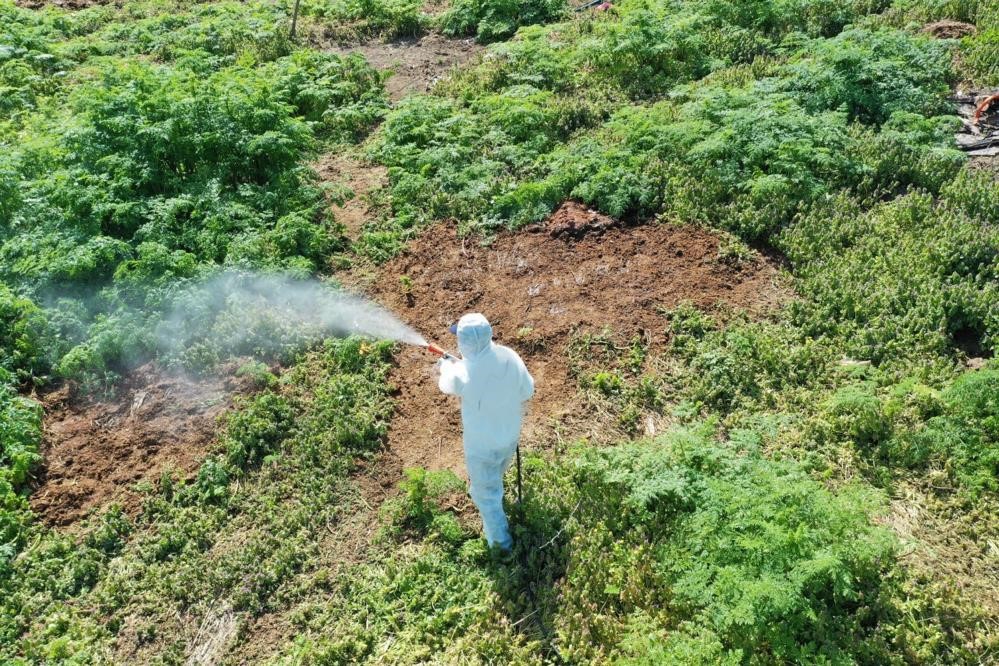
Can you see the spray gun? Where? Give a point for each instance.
(437, 351)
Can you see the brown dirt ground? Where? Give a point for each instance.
(95, 451)
(416, 63)
(362, 178)
(538, 289)
(989, 165)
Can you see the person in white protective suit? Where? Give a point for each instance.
(493, 384)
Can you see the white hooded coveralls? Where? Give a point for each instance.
(493, 384)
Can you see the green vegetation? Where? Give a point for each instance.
(782, 512)
(205, 539)
(349, 21)
(353, 20)
(490, 20)
(150, 171)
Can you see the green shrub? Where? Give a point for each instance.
(855, 414)
(749, 364)
(257, 431)
(22, 327)
(980, 55)
(352, 20)
(418, 510)
(259, 374)
(342, 95)
(492, 20)
(962, 441)
(30, 69)
(871, 75)
(901, 280)
(714, 549)
(20, 438)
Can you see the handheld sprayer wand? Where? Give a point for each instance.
(437, 351)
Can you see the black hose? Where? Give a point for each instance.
(520, 485)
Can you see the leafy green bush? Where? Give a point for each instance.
(257, 431)
(962, 440)
(749, 364)
(925, 11)
(900, 280)
(872, 75)
(687, 546)
(352, 20)
(419, 511)
(343, 96)
(856, 414)
(259, 374)
(981, 55)
(29, 69)
(22, 326)
(156, 172)
(20, 433)
(492, 20)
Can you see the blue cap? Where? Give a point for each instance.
(453, 328)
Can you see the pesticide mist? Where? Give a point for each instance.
(267, 315)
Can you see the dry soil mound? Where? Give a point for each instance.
(949, 29)
(580, 271)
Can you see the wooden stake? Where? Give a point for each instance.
(294, 19)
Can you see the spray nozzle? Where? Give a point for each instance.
(437, 351)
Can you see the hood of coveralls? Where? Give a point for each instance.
(474, 335)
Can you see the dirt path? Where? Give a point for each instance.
(538, 289)
(415, 63)
(361, 178)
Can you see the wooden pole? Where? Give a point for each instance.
(294, 19)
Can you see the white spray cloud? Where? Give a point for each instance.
(243, 312)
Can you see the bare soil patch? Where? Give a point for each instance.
(95, 451)
(949, 29)
(416, 63)
(580, 272)
(362, 178)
